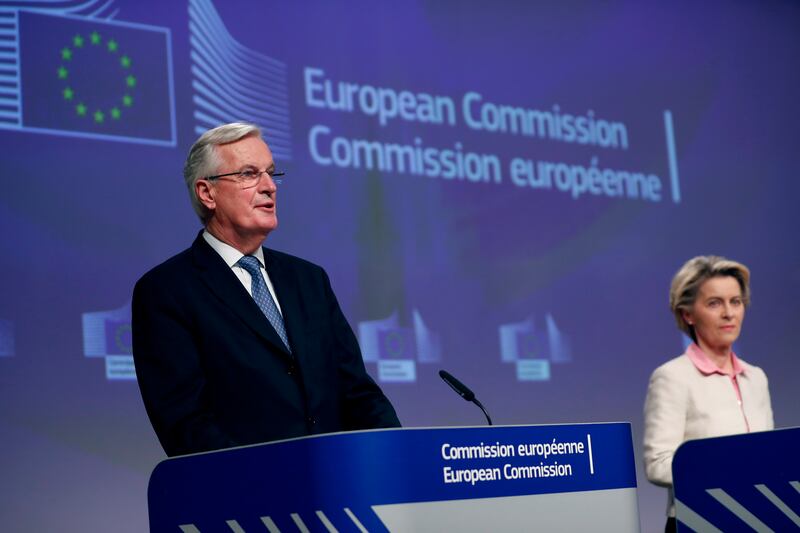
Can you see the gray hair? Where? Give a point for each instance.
(203, 159)
(695, 272)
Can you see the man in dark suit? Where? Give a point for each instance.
(237, 344)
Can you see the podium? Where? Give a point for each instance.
(547, 478)
(739, 482)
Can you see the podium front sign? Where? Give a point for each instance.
(560, 477)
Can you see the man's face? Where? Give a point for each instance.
(243, 213)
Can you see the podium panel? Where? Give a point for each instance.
(559, 477)
(739, 482)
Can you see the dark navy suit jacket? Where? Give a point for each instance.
(213, 372)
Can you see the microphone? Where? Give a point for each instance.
(463, 391)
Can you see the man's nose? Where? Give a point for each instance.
(266, 183)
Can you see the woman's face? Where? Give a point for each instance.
(717, 313)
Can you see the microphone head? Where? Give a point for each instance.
(461, 389)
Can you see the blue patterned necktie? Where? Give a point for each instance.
(262, 296)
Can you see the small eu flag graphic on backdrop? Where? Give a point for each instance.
(397, 343)
(107, 334)
(118, 337)
(91, 78)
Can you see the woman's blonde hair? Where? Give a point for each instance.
(695, 272)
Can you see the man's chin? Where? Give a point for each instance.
(269, 226)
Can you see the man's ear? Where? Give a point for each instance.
(205, 194)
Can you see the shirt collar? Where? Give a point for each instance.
(230, 254)
(705, 365)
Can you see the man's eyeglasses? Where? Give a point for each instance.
(249, 178)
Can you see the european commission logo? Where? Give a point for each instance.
(233, 83)
(107, 334)
(397, 349)
(532, 352)
(85, 77)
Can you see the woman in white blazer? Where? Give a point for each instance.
(707, 391)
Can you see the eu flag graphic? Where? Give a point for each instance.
(396, 343)
(95, 78)
(107, 334)
(531, 352)
(397, 349)
(519, 341)
(118, 337)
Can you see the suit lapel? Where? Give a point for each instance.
(223, 283)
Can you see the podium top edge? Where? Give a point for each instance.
(415, 428)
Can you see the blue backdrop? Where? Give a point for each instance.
(500, 190)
